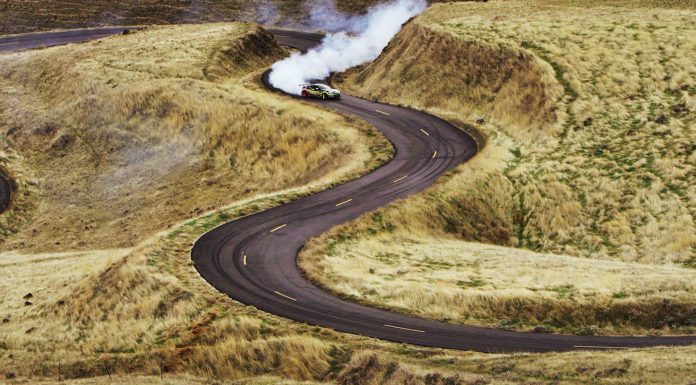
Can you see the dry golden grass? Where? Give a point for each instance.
(147, 317)
(415, 366)
(132, 314)
(589, 117)
(495, 286)
(595, 106)
(130, 134)
(145, 310)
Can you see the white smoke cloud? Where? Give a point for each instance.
(340, 51)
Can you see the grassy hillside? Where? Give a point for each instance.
(127, 136)
(589, 163)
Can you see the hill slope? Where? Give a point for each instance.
(134, 133)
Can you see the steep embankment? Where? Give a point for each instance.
(438, 69)
(588, 114)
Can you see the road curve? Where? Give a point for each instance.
(253, 258)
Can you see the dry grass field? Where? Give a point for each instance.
(126, 136)
(143, 315)
(589, 163)
(126, 150)
(489, 285)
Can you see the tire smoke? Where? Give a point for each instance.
(340, 51)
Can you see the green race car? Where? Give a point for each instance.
(321, 91)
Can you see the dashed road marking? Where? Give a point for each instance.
(244, 259)
(400, 179)
(425, 132)
(278, 228)
(286, 296)
(344, 202)
(383, 113)
(407, 329)
(434, 154)
(6, 44)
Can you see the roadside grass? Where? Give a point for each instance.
(588, 114)
(488, 285)
(144, 315)
(146, 310)
(127, 135)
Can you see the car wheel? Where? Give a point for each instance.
(305, 94)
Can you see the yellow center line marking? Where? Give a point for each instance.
(384, 113)
(400, 179)
(244, 259)
(599, 347)
(344, 202)
(407, 329)
(283, 295)
(425, 132)
(434, 154)
(278, 228)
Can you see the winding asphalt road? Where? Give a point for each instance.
(253, 259)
